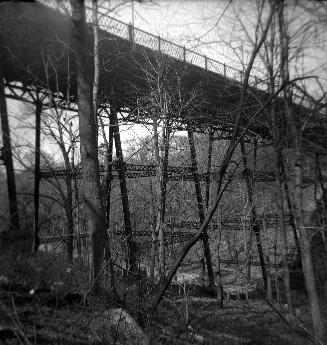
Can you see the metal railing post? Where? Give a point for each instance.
(131, 32)
(224, 70)
(205, 63)
(184, 53)
(159, 43)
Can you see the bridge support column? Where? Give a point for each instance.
(6, 153)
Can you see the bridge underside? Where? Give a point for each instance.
(37, 52)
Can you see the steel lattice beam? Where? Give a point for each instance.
(142, 170)
(175, 237)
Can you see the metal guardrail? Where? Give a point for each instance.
(156, 43)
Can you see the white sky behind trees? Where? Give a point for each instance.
(212, 28)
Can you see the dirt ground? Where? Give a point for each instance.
(202, 321)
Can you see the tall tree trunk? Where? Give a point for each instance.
(68, 202)
(69, 220)
(7, 157)
(306, 250)
(88, 143)
(209, 164)
(195, 172)
(96, 74)
(37, 175)
(290, 208)
(96, 61)
(75, 188)
(254, 226)
(296, 137)
(154, 235)
(161, 174)
(163, 194)
(108, 176)
(248, 249)
(156, 226)
(268, 264)
(207, 196)
(219, 283)
(166, 146)
(95, 90)
(322, 221)
(106, 199)
(282, 227)
(131, 247)
(279, 173)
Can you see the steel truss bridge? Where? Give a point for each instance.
(37, 60)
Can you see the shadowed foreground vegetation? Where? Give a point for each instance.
(44, 300)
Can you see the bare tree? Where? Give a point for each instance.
(254, 219)
(297, 143)
(57, 124)
(95, 100)
(206, 247)
(237, 135)
(89, 146)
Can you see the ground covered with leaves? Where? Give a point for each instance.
(238, 322)
(44, 300)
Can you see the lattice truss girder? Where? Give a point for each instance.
(181, 205)
(174, 173)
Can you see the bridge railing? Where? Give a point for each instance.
(156, 43)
